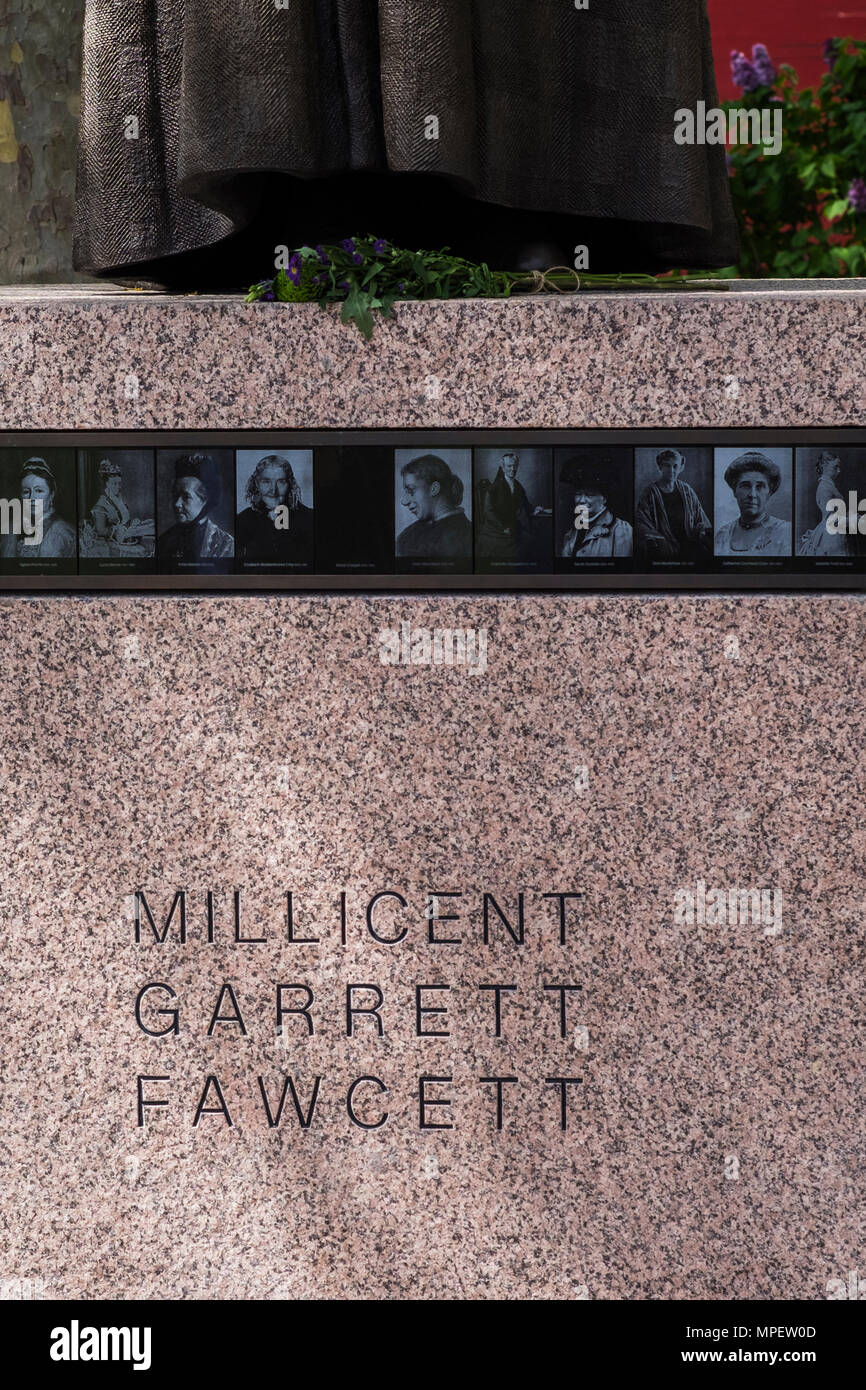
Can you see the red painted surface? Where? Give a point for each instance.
(793, 30)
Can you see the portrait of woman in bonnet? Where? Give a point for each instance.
(595, 531)
(754, 479)
(196, 490)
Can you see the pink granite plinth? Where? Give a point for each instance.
(624, 747)
(672, 359)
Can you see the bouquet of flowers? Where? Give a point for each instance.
(367, 275)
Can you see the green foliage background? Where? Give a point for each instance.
(793, 209)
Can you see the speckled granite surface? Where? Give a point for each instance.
(624, 746)
(792, 357)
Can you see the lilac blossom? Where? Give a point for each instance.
(763, 65)
(857, 195)
(743, 73)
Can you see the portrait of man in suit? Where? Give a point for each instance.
(506, 514)
(514, 526)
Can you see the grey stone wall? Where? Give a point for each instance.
(40, 61)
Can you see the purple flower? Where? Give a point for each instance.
(743, 73)
(831, 52)
(349, 245)
(358, 258)
(401, 288)
(322, 254)
(270, 295)
(344, 285)
(763, 65)
(380, 246)
(294, 271)
(729, 161)
(315, 279)
(857, 195)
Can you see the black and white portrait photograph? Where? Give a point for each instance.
(274, 527)
(116, 510)
(195, 510)
(831, 485)
(753, 498)
(594, 507)
(433, 510)
(673, 488)
(39, 514)
(355, 510)
(513, 510)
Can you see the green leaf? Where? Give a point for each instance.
(850, 254)
(282, 286)
(836, 209)
(356, 308)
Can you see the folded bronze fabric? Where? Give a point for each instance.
(536, 116)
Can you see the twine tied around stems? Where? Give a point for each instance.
(562, 279)
(541, 280)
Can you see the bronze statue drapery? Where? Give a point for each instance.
(205, 119)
